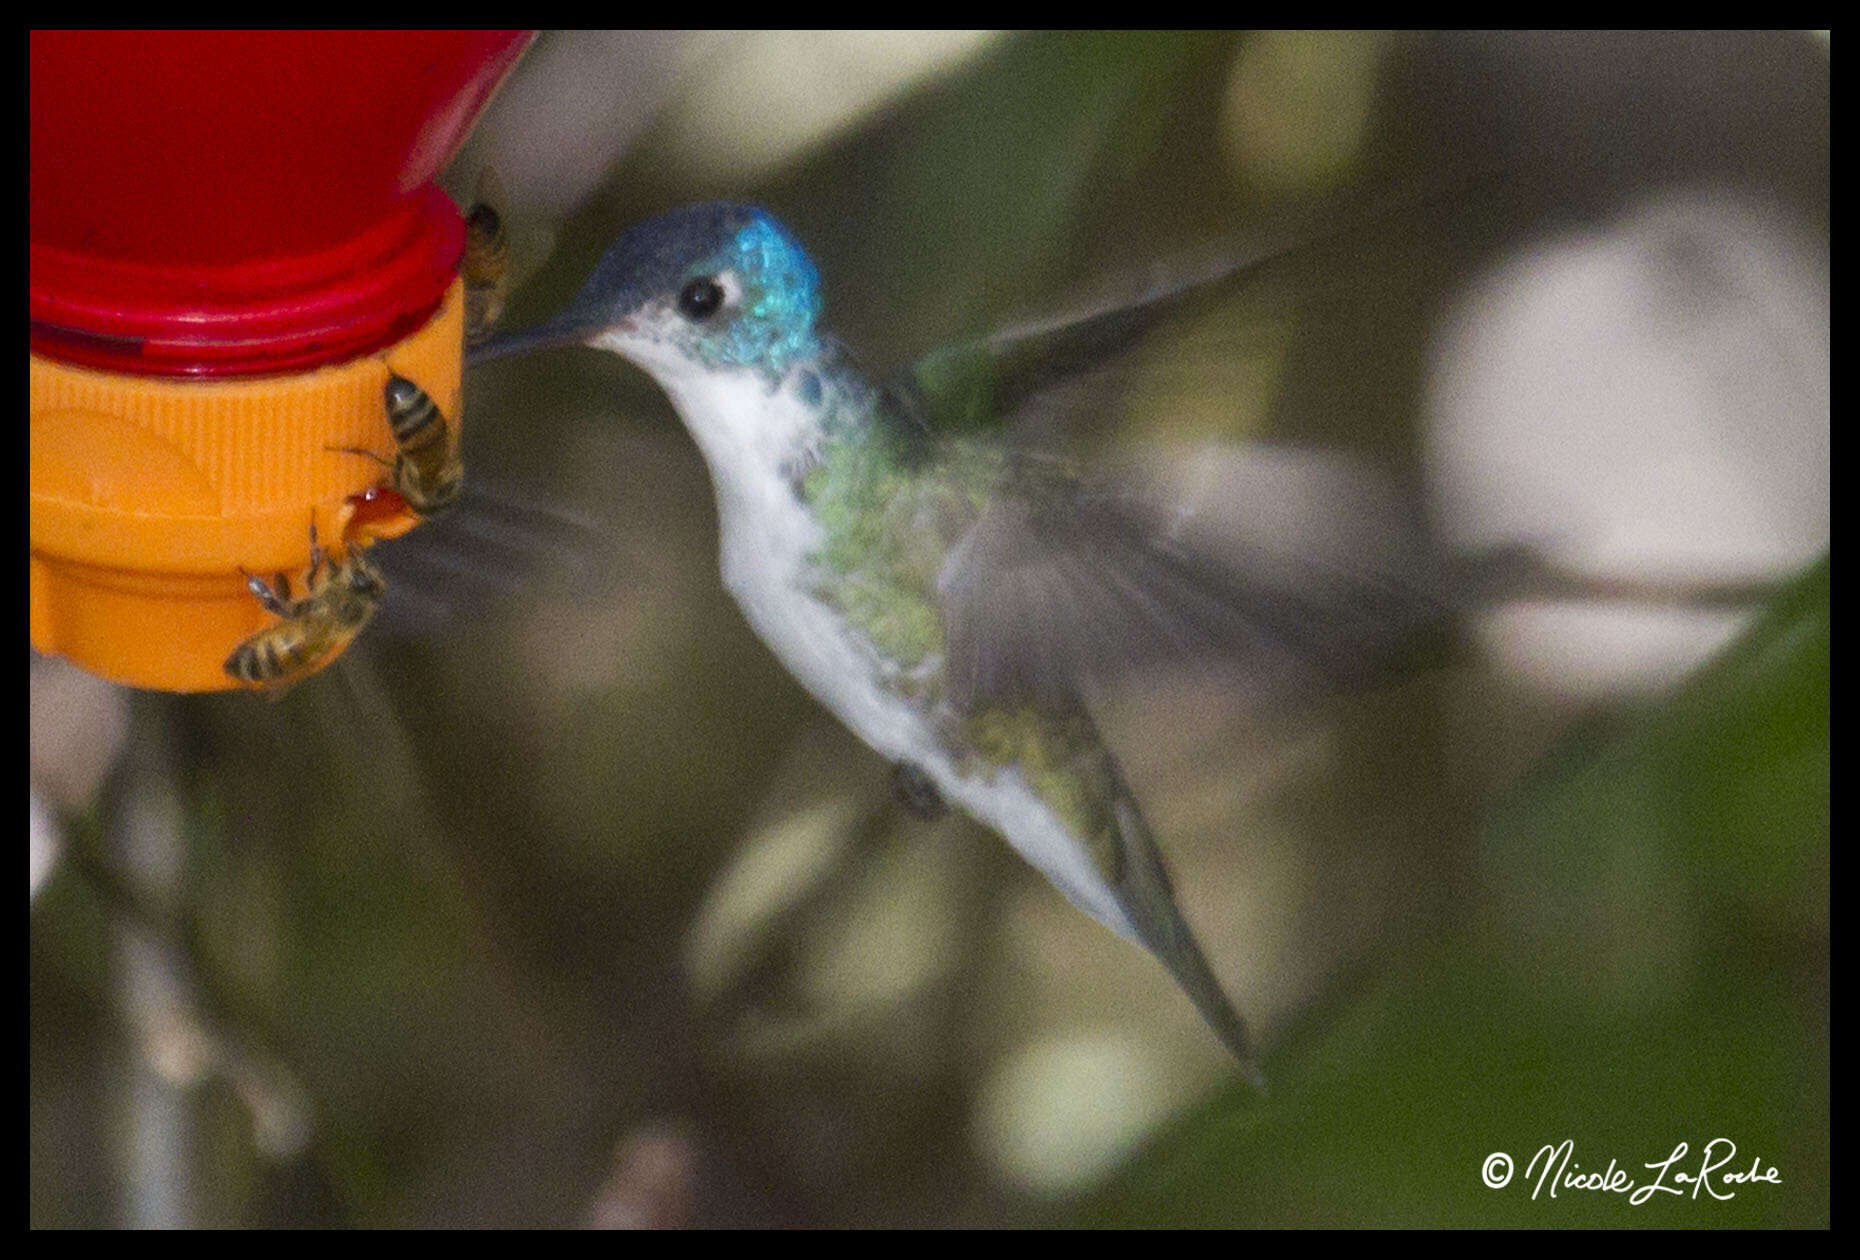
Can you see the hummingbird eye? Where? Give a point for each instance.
(700, 299)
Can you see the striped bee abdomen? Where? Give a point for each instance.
(428, 471)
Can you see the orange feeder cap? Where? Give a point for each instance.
(150, 494)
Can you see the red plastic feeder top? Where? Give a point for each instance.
(235, 202)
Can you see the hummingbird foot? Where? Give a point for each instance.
(917, 792)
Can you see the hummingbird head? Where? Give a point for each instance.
(709, 287)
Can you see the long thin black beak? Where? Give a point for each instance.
(570, 328)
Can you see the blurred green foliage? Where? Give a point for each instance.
(1643, 968)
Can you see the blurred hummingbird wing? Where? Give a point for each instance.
(1068, 384)
(488, 553)
(1193, 350)
(1310, 570)
(1306, 570)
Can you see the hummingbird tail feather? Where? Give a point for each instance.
(1148, 899)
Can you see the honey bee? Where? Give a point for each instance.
(312, 631)
(426, 474)
(426, 471)
(487, 257)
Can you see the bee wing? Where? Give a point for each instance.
(488, 190)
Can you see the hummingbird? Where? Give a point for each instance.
(958, 590)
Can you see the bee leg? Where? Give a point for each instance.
(382, 460)
(275, 603)
(917, 792)
(316, 554)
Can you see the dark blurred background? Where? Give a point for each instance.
(557, 902)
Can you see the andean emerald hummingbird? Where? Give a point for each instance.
(957, 594)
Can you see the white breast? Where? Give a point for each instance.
(749, 437)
